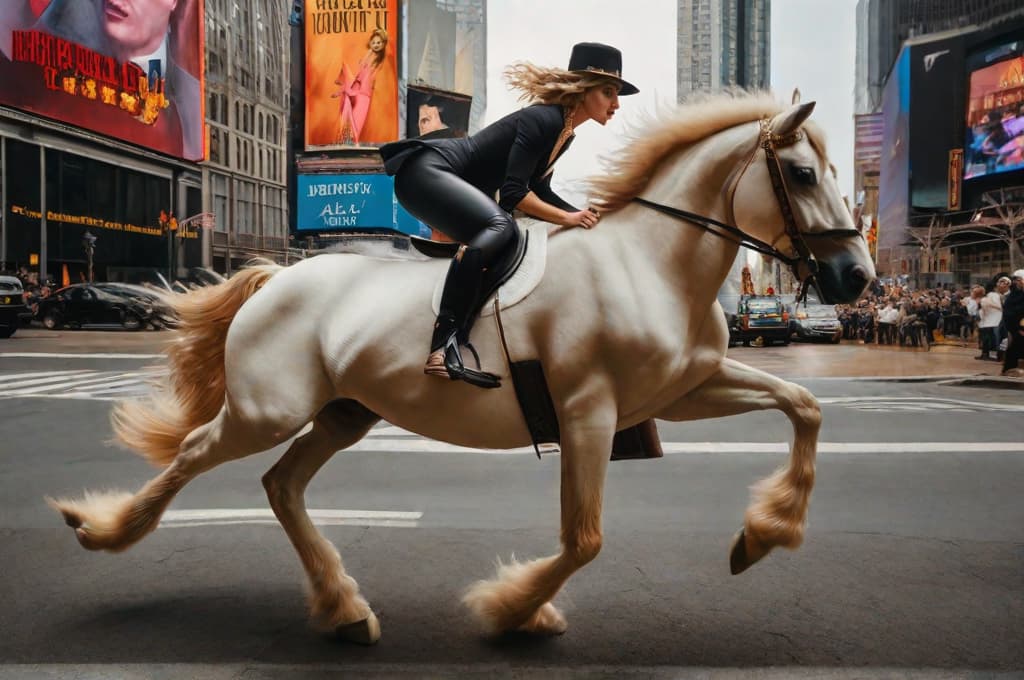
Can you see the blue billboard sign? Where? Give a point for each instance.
(352, 202)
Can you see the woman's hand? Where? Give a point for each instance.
(584, 218)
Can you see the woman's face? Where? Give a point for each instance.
(376, 44)
(601, 101)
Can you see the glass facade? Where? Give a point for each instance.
(119, 206)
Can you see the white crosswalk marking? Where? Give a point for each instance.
(77, 384)
(921, 403)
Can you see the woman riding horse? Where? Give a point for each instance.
(450, 183)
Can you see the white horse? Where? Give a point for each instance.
(625, 322)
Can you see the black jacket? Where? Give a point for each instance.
(508, 157)
(1013, 310)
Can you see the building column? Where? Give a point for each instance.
(3, 202)
(42, 213)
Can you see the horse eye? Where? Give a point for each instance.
(804, 175)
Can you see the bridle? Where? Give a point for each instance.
(770, 142)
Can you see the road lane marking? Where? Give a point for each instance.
(78, 384)
(105, 380)
(919, 403)
(51, 378)
(100, 355)
(324, 517)
(419, 445)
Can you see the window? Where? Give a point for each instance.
(220, 201)
(244, 222)
(273, 213)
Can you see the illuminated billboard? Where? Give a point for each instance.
(351, 73)
(129, 70)
(894, 175)
(995, 111)
(352, 202)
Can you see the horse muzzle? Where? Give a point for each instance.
(842, 280)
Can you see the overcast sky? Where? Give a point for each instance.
(812, 48)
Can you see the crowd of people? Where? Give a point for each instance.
(35, 290)
(989, 315)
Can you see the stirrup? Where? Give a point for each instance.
(447, 362)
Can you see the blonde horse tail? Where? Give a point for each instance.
(192, 392)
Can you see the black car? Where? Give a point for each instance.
(12, 305)
(161, 314)
(83, 305)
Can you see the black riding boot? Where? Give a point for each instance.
(458, 301)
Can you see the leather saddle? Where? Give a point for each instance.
(639, 441)
(494, 277)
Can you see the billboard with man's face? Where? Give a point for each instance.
(130, 69)
(351, 72)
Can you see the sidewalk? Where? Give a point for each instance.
(853, 359)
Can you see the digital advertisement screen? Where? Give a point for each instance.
(132, 71)
(995, 112)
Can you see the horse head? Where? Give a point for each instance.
(791, 201)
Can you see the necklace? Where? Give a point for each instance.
(570, 113)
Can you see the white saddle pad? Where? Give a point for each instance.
(526, 278)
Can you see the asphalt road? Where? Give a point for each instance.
(912, 564)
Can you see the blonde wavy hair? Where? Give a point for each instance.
(548, 85)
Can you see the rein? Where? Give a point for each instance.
(770, 142)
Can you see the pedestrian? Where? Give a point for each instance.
(451, 184)
(1003, 288)
(988, 327)
(1013, 320)
(972, 309)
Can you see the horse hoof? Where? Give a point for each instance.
(745, 552)
(365, 632)
(546, 621)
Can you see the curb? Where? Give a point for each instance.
(997, 382)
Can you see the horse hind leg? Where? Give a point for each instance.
(777, 514)
(114, 521)
(334, 599)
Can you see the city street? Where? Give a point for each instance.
(911, 566)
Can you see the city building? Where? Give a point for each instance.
(245, 176)
(723, 43)
(951, 171)
(105, 127)
(884, 25)
(397, 70)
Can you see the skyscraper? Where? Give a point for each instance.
(883, 25)
(723, 43)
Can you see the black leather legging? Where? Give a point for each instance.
(429, 188)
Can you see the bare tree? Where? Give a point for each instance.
(1009, 228)
(932, 237)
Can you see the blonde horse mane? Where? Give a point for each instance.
(654, 137)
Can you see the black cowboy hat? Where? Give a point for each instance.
(600, 59)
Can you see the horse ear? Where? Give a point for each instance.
(792, 118)
(796, 96)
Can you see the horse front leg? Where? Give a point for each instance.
(777, 514)
(519, 597)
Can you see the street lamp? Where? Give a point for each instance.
(89, 244)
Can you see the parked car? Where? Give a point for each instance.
(758, 316)
(813, 321)
(84, 305)
(12, 305)
(161, 314)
